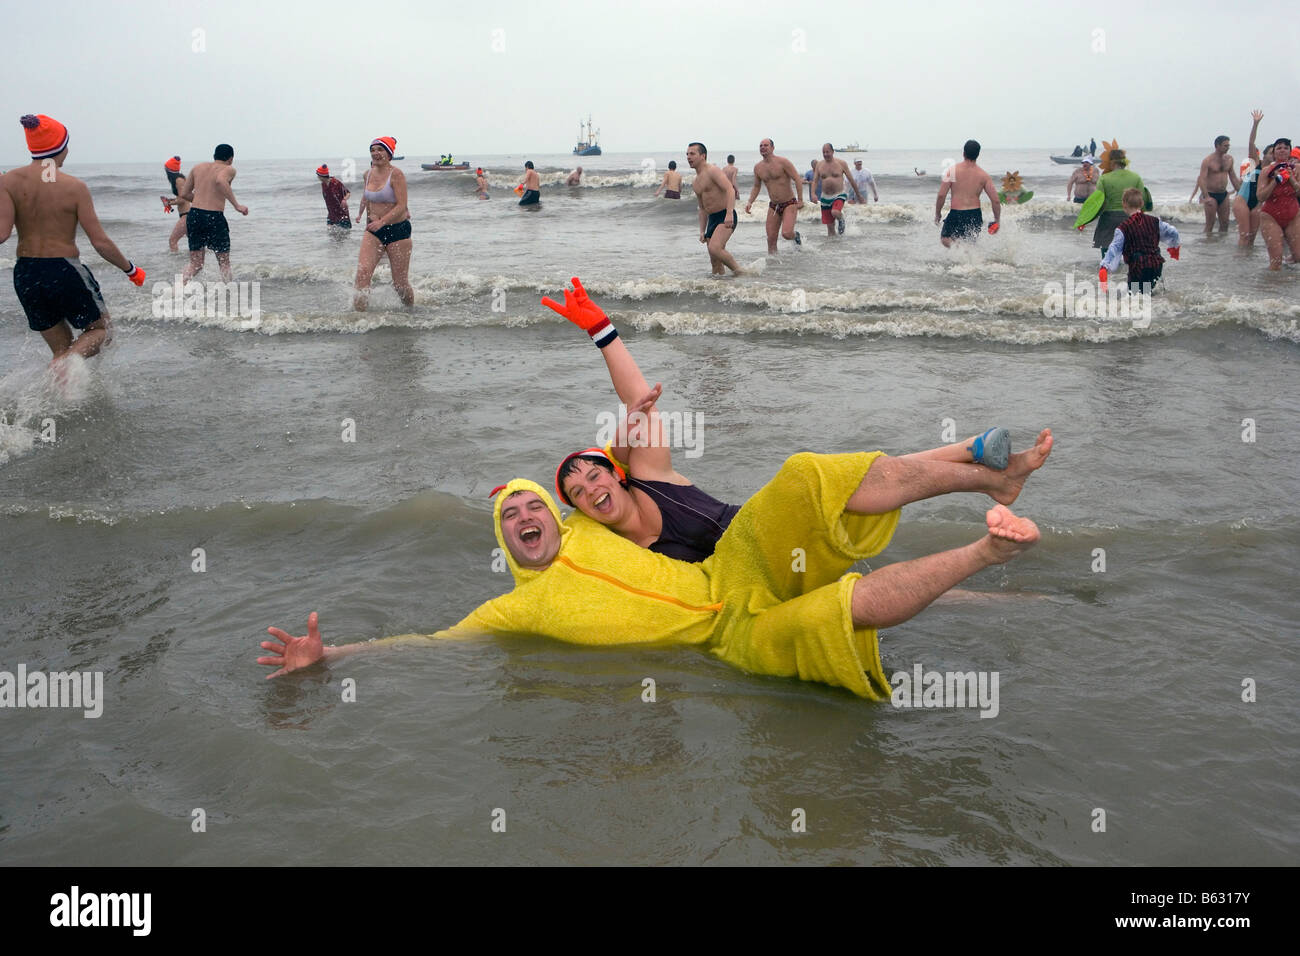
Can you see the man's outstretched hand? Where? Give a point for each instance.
(290, 653)
(577, 308)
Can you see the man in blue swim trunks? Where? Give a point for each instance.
(46, 205)
(717, 199)
(966, 180)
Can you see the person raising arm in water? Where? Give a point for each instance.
(749, 605)
(1245, 205)
(649, 502)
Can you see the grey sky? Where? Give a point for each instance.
(322, 79)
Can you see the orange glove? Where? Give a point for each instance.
(167, 204)
(135, 273)
(1174, 251)
(1102, 276)
(585, 314)
(993, 228)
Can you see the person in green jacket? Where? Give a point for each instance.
(1113, 184)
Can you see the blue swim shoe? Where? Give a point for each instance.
(992, 449)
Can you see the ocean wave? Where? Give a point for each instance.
(266, 517)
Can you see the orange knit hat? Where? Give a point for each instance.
(388, 142)
(45, 136)
(173, 165)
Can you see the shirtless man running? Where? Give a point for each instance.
(717, 202)
(1212, 184)
(829, 179)
(784, 194)
(730, 171)
(47, 205)
(967, 181)
(208, 188)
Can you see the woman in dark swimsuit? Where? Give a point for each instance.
(649, 503)
(174, 178)
(1245, 205)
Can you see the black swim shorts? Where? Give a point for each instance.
(207, 229)
(531, 198)
(394, 232)
(715, 220)
(57, 290)
(962, 224)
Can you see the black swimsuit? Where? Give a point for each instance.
(692, 520)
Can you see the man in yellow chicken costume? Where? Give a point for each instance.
(772, 599)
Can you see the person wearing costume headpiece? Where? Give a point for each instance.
(775, 598)
(172, 169)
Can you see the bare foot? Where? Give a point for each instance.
(1020, 466)
(1009, 535)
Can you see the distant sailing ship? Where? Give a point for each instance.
(588, 139)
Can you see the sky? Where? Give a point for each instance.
(139, 79)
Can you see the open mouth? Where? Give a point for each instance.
(601, 502)
(530, 535)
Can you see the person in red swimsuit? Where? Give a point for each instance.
(1277, 190)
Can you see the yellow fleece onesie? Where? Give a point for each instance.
(772, 599)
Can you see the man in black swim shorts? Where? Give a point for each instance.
(717, 218)
(57, 292)
(962, 224)
(717, 201)
(967, 182)
(208, 189)
(532, 186)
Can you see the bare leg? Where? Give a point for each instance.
(173, 241)
(898, 592)
(399, 259)
(223, 263)
(366, 262)
(1292, 236)
(195, 266)
(718, 249)
(1211, 210)
(1247, 223)
(1272, 240)
(1224, 209)
(893, 482)
(789, 219)
(96, 335)
(773, 226)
